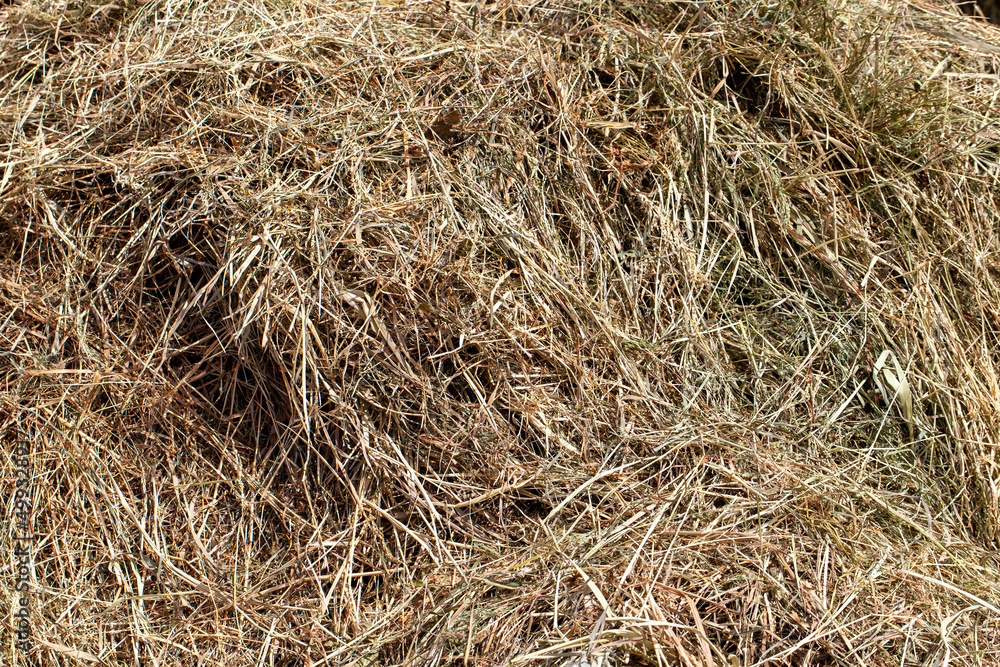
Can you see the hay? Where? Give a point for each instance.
(427, 333)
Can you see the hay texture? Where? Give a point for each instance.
(506, 333)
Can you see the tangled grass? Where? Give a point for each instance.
(569, 333)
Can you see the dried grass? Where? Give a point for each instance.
(318, 371)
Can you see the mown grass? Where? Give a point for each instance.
(435, 333)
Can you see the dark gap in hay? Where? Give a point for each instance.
(171, 269)
(532, 508)
(988, 9)
(12, 228)
(748, 290)
(271, 84)
(749, 87)
(30, 73)
(523, 433)
(604, 78)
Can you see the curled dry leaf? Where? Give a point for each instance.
(444, 126)
(897, 383)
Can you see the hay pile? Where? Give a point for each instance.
(428, 333)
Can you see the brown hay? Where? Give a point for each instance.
(432, 333)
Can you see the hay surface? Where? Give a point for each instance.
(429, 333)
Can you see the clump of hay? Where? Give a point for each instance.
(557, 333)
